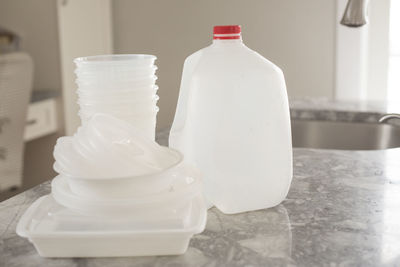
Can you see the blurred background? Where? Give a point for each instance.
(320, 57)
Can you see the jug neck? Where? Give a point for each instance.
(223, 42)
(227, 34)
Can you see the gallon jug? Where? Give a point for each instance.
(232, 121)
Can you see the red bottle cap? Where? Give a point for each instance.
(227, 32)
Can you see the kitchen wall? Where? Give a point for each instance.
(299, 36)
(36, 22)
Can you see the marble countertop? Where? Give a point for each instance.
(343, 209)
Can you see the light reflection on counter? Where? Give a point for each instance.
(391, 209)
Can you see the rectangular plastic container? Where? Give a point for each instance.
(75, 235)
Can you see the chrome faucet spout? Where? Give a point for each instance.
(355, 14)
(389, 116)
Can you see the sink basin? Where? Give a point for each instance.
(344, 135)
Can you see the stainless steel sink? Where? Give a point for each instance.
(344, 135)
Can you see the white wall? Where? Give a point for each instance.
(378, 49)
(36, 22)
(299, 36)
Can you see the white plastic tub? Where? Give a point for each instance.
(130, 186)
(174, 197)
(75, 235)
(167, 210)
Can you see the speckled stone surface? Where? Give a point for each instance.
(343, 209)
(345, 111)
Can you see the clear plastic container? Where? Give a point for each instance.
(150, 99)
(133, 82)
(133, 96)
(129, 186)
(114, 62)
(56, 231)
(119, 85)
(137, 107)
(128, 71)
(105, 147)
(120, 96)
(118, 90)
(119, 113)
(232, 121)
(174, 197)
(135, 118)
(146, 124)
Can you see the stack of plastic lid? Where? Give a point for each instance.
(119, 85)
(117, 194)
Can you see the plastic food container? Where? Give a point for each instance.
(114, 97)
(135, 186)
(110, 90)
(146, 123)
(148, 81)
(150, 207)
(56, 231)
(149, 98)
(132, 116)
(121, 108)
(141, 121)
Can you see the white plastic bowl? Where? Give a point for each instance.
(130, 186)
(93, 196)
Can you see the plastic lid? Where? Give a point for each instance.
(226, 32)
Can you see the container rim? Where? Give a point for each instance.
(196, 226)
(121, 58)
(179, 160)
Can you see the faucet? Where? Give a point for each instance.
(389, 116)
(355, 14)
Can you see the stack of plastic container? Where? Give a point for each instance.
(118, 192)
(119, 85)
